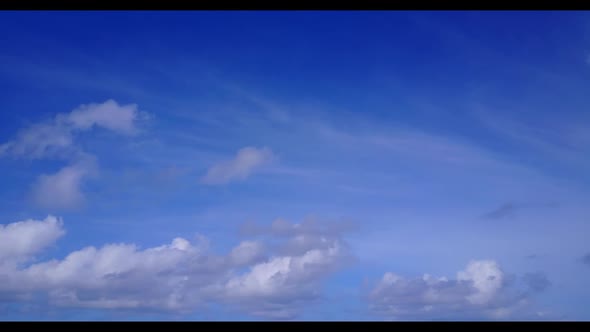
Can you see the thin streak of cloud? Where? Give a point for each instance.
(505, 210)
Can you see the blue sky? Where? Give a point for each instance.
(294, 165)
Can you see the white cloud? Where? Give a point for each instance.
(56, 137)
(122, 276)
(62, 190)
(247, 252)
(478, 292)
(180, 276)
(39, 141)
(280, 283)
(20, 240)
(109, 115)
(486, 278)
(247, 161)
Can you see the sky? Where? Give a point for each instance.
(345, 165)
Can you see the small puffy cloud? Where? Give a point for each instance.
(247, 161)
(283, 282)
(485, 276)
(55, 138)
(109, 115)
(181, 276)
(39, 141)
(23, 239)
(62, 190)
(478, 292)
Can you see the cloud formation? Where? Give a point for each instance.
(478, 292)
(108, 115)
(247, 161)
(21, 240)
(39, 141)
(56, 139)
(180, 276)
(63, 190)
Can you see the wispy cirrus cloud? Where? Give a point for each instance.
(563, 142)
(503, 211)
(510, 209)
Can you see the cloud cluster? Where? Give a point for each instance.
(480, 291)
(180, 276)
(247, 161)
(56, 139)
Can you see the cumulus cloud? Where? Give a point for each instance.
(109, 115)
(39, 141)
(23, 239)
(181, 276)
(247, 252)
(247, 161)
(485, 277)
(277, 286)
(63, 190)
(123, 276)
(478, 292)
(300, 237)
(56, 139)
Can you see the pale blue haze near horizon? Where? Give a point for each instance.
(327, 165)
